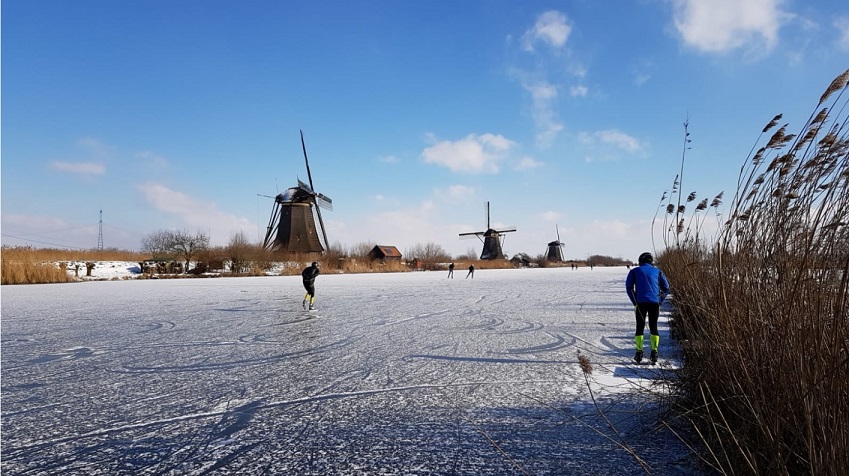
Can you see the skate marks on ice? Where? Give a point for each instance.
(240, 363)
(67, 354)
(418, 382)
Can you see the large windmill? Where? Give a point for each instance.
(491, 239)
(292, 226)
(555, 248)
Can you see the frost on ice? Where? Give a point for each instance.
(406, 373)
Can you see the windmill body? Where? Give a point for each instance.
(555, 249)
(492, 245)
(296, 224)
(491, 238)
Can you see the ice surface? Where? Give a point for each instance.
(404, 373)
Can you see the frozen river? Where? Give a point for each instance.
(405, 373)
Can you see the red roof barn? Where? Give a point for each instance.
(384, 253)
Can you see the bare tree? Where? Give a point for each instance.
(470, 254)
(158, 244)
(187, 246)
(430, 253)
(362, 249)
(238, 252)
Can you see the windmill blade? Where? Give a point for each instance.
(324, 201)
(305, 187)
(323, 231)
(273, 224)
(558, 232)
(473, 233)
(304, 146)
(505, 229)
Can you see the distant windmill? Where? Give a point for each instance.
(292, 226)
(555, 248)
(491, 239)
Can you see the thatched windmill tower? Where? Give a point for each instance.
(491, 238)
(297, 211)
(555, 248)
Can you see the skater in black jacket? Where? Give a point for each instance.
(451, 270)
(309, 275)
(471, 271)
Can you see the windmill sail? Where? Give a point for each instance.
(492, 239)
(296, 224)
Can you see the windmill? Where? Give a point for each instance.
(555, 248)
(491, 239)
(292, 226)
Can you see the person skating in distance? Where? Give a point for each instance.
(471, 271)
(309, 273)
(647, 287)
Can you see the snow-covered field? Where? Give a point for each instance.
(405, 373)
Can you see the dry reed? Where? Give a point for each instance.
(762, 309)
(22, 265)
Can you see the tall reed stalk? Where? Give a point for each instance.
(763, 308)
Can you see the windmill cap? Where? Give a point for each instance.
(645, 258)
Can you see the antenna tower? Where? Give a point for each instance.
(100, 233)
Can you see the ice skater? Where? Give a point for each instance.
(309, 273)
(471, 271)
(647, 287)
(451, 270)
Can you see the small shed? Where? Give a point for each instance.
(385, 253)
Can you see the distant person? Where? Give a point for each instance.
(451, 270)
(309, 275)
(647, 287)
(471, 271)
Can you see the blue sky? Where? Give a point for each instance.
(567, 114)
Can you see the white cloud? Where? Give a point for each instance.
(151, 158)
(389, 159)
(403, 228)
(40, 231)
(550, 216)
(842, 25)
(641, 79)
(718, 26)
(614, 138)
(458, 192)
(619, 140)
(79, 168)
(474, 153)
(642, 70)
(551, 28)
(542, 92)
(578, 91)
(544, 96)
(94, 146)
(528, 162)
(196, 214)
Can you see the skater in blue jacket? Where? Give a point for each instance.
(647, 287)
(309, 275)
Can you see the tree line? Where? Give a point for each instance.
(246, 257)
